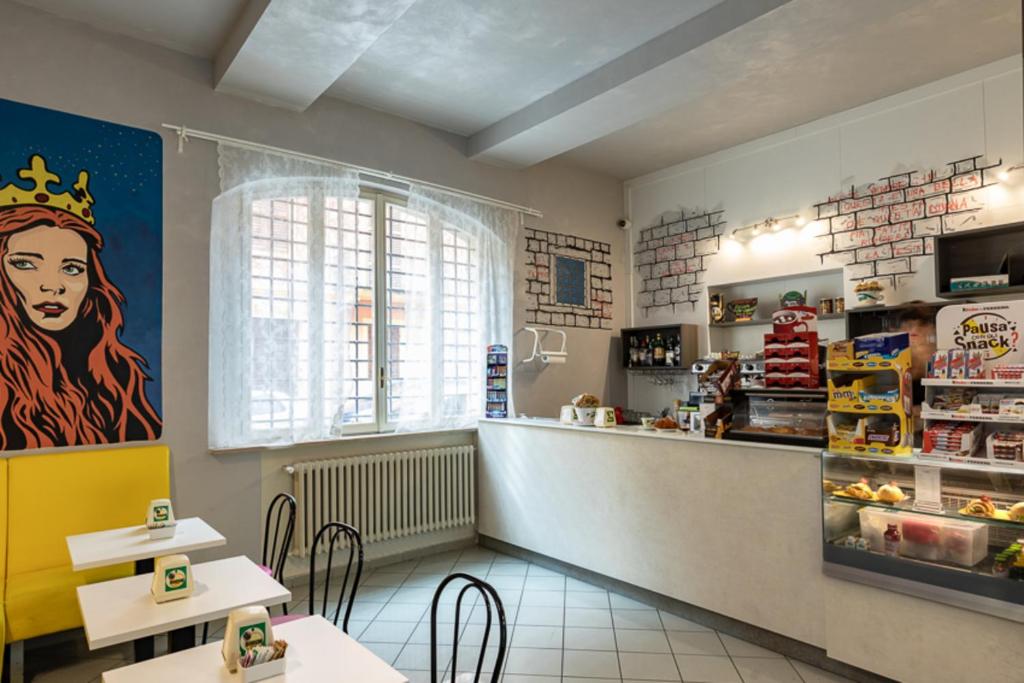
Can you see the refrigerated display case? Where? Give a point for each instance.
(947, 531)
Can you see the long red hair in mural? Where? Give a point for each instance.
(65, 376)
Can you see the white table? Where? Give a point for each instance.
(318, 652)
(123, 610)
(130, 544)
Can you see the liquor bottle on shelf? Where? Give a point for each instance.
(676, 350)
(648, 352)
(659, 350)
(670, 353)
(634, 352)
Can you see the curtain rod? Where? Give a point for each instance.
(185, 134)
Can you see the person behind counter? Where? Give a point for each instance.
(919, 323)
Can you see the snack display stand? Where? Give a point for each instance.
(945, 523)
(856, 407)
(497, 381)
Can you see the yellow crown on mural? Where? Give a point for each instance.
(78, 201)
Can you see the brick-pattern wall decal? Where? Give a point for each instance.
(542, 306)
(672, 258)
(884, 229)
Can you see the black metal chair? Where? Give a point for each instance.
(275, 550)
(489, 595)
(335, 534)
(274, 553)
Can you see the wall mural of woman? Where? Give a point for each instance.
(68, 376)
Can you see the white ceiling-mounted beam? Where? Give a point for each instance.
(288, 52)
(631, 88)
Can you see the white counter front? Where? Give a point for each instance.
(731, 527)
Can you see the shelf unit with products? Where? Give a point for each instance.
(822, 289)
(655, 348)
(949, 532)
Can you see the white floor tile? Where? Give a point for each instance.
(766, 670)
(577, 638)
(589, 599)
(705, 669)
(529, 660)
(741, 648)
(538, 636)
(648, 667)
(588, 663)
(695, 643)
(636, 618)
(588, 618)
(639, 640)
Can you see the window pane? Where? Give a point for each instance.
(408, 337)
(280, 373)
(348, 295)
(460, 326)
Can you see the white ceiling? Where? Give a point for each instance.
(622, 86)
(462, 65)
(195, 27)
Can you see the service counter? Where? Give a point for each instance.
(730, 527)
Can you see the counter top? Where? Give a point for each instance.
(638, 431)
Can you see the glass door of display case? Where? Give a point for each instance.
(950, 532)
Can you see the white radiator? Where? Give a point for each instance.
(385, 495)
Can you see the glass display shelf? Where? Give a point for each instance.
(933, 552)
(990, 383)
(906, 505)
(958, 416)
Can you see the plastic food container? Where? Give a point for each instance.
(922, 537)
(964, 543)
(873, 523)
(839, 518)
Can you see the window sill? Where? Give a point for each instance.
(341, 439)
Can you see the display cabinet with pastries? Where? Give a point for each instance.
(947, 531)
(794, 417)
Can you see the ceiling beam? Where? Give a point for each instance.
(629, 89)
(286, 53)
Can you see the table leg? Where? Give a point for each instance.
(143, 646)
(182, 639)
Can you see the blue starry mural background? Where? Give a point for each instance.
(125, 168)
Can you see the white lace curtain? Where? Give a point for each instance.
(268, 311)
(277, 356)
(448, 382)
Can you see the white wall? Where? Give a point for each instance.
(975, 112)
(64, 65)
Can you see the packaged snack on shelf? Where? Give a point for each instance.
(939, 367)
(1012, 406)
(1008, 372)
(1005, 447)
(975, 364)
(841, 350)
(884, 344)
(878, 429)
(957, 364)
(956, 439)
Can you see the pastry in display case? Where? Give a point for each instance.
(794, 417)
(960, 550)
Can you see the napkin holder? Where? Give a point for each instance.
(274, 667)
(247, 627)
(160, 519)
(172, 578)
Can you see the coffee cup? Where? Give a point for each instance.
(565, 415)
(647, 423)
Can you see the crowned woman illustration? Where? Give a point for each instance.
(66, 378)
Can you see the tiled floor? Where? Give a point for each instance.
(560, 630)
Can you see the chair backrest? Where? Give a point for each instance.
(336, 534)
(490, 596)
(281, 510)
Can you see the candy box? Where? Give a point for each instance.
(975, 364)
(939, 365)
(957, 364)
(885, 344)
